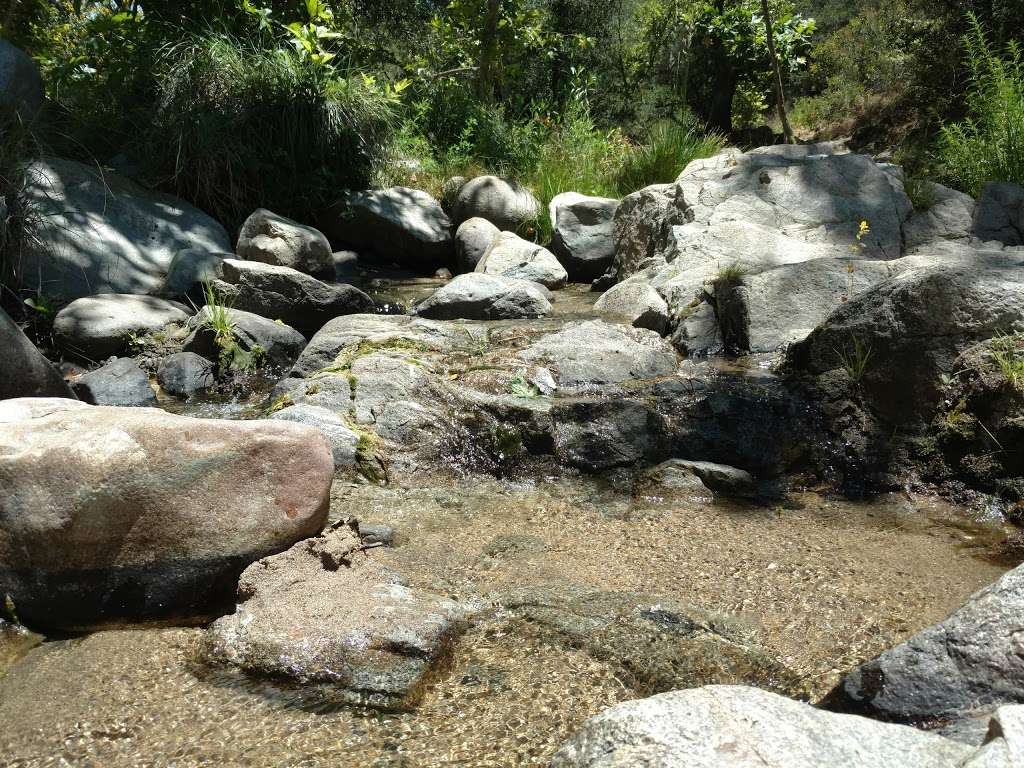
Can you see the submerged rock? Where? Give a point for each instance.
(121, 514)
(96, 327)
(24, 371)
(974, 658)
(511, 256)
(273, 239)
(477, 296)
(327, 614)
(120, 382)
(725, 726)
(102, 233)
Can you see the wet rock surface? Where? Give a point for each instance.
(326, 614)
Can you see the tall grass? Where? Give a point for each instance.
(669, 148)
(989, 145)
(239, 126)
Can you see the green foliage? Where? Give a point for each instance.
(921, 193)
(520, 387)
(855, 358)
(989, 144)
(1008, 354)
(221, 324)
(669, 148)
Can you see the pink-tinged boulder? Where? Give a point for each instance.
(110, 515)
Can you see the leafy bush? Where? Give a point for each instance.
(238, 127)
(668, 150)
(988, 145)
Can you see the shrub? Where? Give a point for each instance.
(989, 145)
(669, 148)
(238, 127)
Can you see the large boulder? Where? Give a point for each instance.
(472, 239)
(96, 327)
(974, 658)
(511, 256)
(505, 203)
(115, 514)
(280, 344)
(273, 239)
(344, 441)
(593, 353)
(189, 270)
(638, 303)
(642, 223)
(720, 726)
(102, 233)
(583, 234)
(328, 616)
(908, 330)
(24, 372)
(119, 382)
(398, 224)
(21, 84)
(477, 296)
(285, 294)
(999, 215)
(948, 216)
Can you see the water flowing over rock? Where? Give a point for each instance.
(96, 327)
(24, 371)
(120, 382)
(478, 296)
(505, 203)
(472, 239)
(511, 256)
(21, 84)
(272, 239)
(972, 659)
(721, 726)
(114, 514)
(327, 614)
(583, 234)
(282, 293)
(102, 233)
(280, 344)
(397, 224)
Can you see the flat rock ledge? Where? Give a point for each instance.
(327, 616)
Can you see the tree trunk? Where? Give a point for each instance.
(780, 94)
(488, 52)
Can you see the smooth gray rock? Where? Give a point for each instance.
(285, 294)
(949, 217)
(281, 344)
(334, 620)
(973, 658)
(24, 371)
(102, 233)
(506, 204)
(915, 324)
(999, 215)
(721, 478)
(189, 269)
(478, 296)
(113, 515)
(721, 726)
(273, 239)
(636, 302)
(583, 234)
(594, 353)
(185, 374)
(121, 382)
(399, 224)
(472, 239)
(21, 84)
(341, 437)
(511, 256)
(96, 327)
